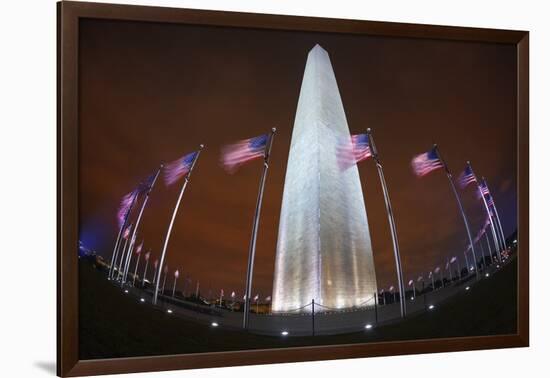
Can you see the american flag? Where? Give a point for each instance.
(237, 154)
(391, 288)
(257, 297)
(232, 294)
(453, 259)
(467, 177)
(411, 282)
(126, 233)
(166, 269)
(490, 202)
(354, 150)
(484, 189)
(179, 168)
(125, 206)
(430, 275)
(177, 273)
(436, 270)
(147, 255)
(156, 264)
(447, 266)
(138, 250)
(420, 278)
(425, 163)
(144, 186)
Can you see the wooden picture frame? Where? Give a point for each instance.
(69, 16)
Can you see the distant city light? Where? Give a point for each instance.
(431, 307)
(486, 274)
(284, 333)
(412, 298)
(142, 300)
(214, 324)
(368, 326)
(515, 241)
(169, 311)
(126, 291)
(471, 269)
(498, 266)
(467, 288)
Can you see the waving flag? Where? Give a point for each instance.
(147, 255)
(156, 264)
(391, 288)
(427, 162)
(430, 275)
(237, 154)
(232, 294)
(411, 282)
(179, 168)
(138, 250)
(257, 297)
(177, 273)
(125, 206)
(453, 259)
(490, 202)
(420, 278)
(467, 177)
(485, 189)
(436, 270)
(447, 266)
(354, 150)
(126, 233)
(267, 299)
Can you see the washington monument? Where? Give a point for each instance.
(324, 250)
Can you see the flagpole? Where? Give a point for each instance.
(145, 273)
(458, 201)
(489, 247)
(169, 231)
(124, 251)
(129, 258)
(252, 247)
(117, 244)
(391, 220)
(174, 288)
(496, 214)
(155, 274)
(493, 230)
(114, 262)
(124, 259)
(135, 270)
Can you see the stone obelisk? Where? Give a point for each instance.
(324, 250)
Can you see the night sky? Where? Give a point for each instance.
(150, 93)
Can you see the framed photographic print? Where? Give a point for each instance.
(245, 188)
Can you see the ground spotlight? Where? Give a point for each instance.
(126, 291)
(214, 324)
(169, 311)
(431, 307)
(467, 288)
(486, 274)
(368, 326)
(142, 300)
(284, 333)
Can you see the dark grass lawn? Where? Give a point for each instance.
(114, 325)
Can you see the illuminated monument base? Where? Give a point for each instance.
(324, 249)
